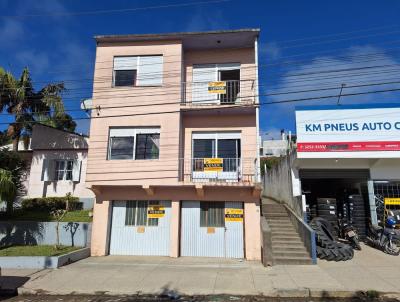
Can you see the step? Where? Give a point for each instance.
(278, 240)
(291, 260)
(289, 254)
(294, 248)
(285, 236)
(283, 232)
(276, 217)
(282, 229)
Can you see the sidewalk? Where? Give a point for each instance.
(121, 275)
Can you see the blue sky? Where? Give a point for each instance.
(315, 38)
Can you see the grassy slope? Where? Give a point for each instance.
(73, 216)
(36, 250)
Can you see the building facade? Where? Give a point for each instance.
(173, 157)
(58, 165)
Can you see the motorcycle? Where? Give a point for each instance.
(385, 238)
(348, 232)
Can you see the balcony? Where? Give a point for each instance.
(218, 94)
(219, 171)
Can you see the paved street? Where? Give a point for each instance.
(116, 275)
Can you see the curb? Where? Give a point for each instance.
(280, 293)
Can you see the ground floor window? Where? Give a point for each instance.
(212, 214)
(136, 213)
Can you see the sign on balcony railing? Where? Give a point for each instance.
(213, 164)
(217, 87)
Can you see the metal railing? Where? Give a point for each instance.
(218, 170)
(218, 93)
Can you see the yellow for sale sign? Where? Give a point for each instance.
(217, 87)
(392, 201)
(213, 164)
(155, 211)
(234, 215)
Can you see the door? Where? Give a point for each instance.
(140, 227)
(206, 231)
(202, 75)
(232, 79)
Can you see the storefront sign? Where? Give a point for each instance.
(326, 131)
(155, 211)
(213, 164)
(392, 201)
(217, 87)
(234, 215)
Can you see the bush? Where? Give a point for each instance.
(52, 203)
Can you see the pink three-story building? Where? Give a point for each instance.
(173, 156)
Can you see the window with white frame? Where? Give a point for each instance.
(61, 170)
(134, 143)
(225, 145)
(138, 71)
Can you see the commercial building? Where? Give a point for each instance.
(173, 158)
(349, 153)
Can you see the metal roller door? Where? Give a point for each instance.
(212, 229)
(135, 231)
(334, 173)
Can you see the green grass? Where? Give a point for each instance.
(36, 250)
(73, 216)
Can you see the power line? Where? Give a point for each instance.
(234, 106)
(112, 11)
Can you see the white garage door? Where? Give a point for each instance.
(212, 229)
(140, 227)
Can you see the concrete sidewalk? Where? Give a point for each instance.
(122, 275)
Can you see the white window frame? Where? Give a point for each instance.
(65, 170)
(131, 132)
(138, 72)
(215, 136)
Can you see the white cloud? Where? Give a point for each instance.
(34, 60)
(11, 31)
(209, 20)
(269, 51)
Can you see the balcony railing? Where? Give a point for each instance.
(219, 170)
(218, 93)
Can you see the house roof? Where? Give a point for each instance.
(225, 38)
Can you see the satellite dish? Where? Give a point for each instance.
(87, 104)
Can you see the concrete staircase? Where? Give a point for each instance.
(286, 244)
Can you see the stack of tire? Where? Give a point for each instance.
(326, 208)
(327, 247)
(357, 214)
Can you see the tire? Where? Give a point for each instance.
(391, 248)
(326, 207)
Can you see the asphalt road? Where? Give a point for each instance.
(213, 298)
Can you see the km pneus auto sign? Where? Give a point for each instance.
(361, 131)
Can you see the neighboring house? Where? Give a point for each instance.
(275, 148)
(58, 164)
(173, 157)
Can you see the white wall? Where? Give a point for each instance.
(39, 188)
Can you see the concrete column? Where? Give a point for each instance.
(100, 228)
(252, 230)
(372, 206)
(175, 223)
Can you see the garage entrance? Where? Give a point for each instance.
(334, 194)
(140, 227)
(212, 229)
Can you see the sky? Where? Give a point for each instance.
(304, 45)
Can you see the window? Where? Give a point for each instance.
(63, 169)
(136, 213)
(217, 145)
(138, 71)
(147, 146)
(134, 143)
(121, 147)
(212, 214)
(125, 77)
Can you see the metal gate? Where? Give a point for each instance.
(225, 239)
(134, 231)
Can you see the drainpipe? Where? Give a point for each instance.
(258, 174)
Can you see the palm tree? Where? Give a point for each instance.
(8, 190)
(18, 98)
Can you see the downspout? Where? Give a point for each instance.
(257, 102)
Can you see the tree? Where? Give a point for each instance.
(4, 138)
(13, 167)
(19, 98)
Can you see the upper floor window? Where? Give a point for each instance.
(138, 71)
(61, 169)
(134, 143)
